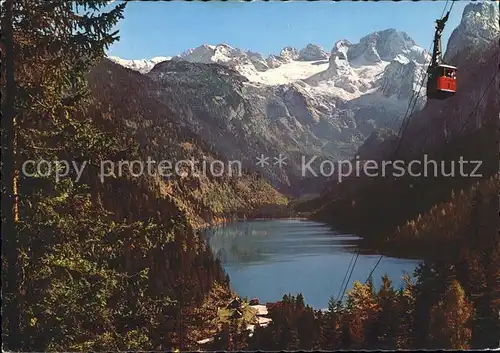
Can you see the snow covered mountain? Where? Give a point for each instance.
(141, 65)
(207, 54)
(312, 52)
(387, 61)
(300, 102)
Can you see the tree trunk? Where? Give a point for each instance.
(10, 209)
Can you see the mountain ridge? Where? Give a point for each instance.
(326, 107)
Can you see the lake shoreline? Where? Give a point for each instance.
(365, 245)
(267, 258)
(229, 220)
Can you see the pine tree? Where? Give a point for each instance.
(44, 89)
(290, 337)
(332, 329)
(10, 278)
(306, 329)
(353, 332)
(361, 299)
(405, 310)
(385, 325)
(299, 304)
(450, 320)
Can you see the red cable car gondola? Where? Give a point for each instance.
(442, 82)
(442, 78)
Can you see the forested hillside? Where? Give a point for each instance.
(95, 260)
(356, 203)
(464, 126)
(92, 265)
(451, 303)
(127, 103)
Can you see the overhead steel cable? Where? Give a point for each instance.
(425, 127)
(345, 276)
(460, 132)
(478, 102)
(349, 278)
(405, 124)
(373, 269)
(424, 75)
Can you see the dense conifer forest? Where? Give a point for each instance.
(89, 265)
(120, 265)
(452, 301)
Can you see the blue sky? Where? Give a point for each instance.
(168, 28)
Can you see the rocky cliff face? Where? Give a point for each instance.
(474, 48)
(300, 103)
(402, 78)
(478, 28)
(239, 120)
(308, 102)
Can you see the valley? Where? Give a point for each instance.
(239, 247)
(306, 107)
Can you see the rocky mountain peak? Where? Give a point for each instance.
(401, 78)
(273, 61)
(478, 28)
(211, 53)
(384, 46)
(289, 53)
(312, 52)
(257, 60)
(339, 50)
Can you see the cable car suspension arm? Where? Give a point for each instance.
(437, 58)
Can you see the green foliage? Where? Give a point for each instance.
(119, 266)
(111, 266)
(451, 303)
(375, 207)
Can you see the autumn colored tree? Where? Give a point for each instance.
(385, 325)
(450, 319)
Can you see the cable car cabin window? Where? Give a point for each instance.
(449, 73)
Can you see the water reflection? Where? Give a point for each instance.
(268, 259)
(258, 241)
